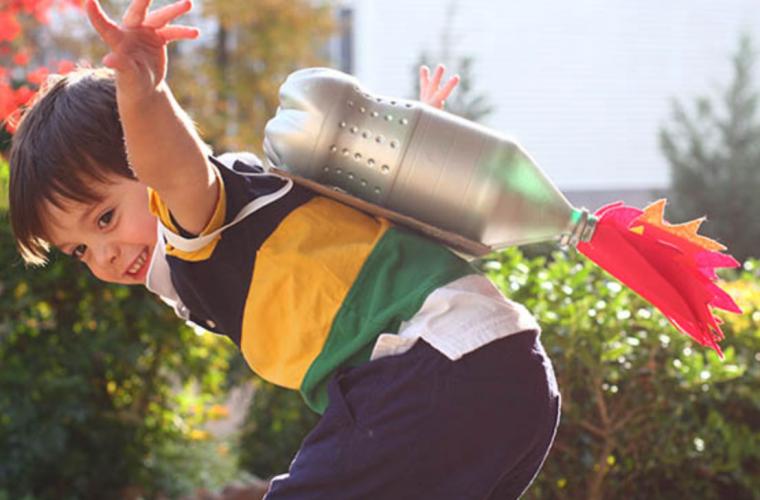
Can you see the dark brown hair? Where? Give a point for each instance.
(67, 144)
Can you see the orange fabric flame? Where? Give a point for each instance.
(654, 214)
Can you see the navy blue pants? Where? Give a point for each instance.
(419, 426)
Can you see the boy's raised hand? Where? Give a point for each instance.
(431, 91)
(138, 44)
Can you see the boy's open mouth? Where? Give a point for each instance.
(138, 265)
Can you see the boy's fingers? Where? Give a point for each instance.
(163, 16)
(444, 93)
(424, 81)
(178, 32)
(135, 14)
(107, 29)
(437, 75)
(424, 78)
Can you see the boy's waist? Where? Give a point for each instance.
(457, 319)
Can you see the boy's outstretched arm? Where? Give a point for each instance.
(163, 147)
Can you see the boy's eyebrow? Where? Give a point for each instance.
(88, 211)
(82, 219)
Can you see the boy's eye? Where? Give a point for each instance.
(105, 219)
(78, 251)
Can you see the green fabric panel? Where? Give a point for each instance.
(400, 272)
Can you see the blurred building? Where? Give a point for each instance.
(583, 85)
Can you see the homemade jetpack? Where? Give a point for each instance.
(478, 191)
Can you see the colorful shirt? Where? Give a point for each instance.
(302, 284)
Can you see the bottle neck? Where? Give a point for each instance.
(582, 228)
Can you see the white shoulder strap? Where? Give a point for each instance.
(198, 242)
(159, 281)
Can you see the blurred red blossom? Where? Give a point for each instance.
(21, 58)
(18, 81)
(10, 28)
(23, 94)
(66, 67)
(37, 76)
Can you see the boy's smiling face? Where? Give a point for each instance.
(114, 237)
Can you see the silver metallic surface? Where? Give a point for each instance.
(416, 160)
(582, 230)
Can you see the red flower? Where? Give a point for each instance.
(37, 8)
(66, 67)
(23, 95)
(7, 100)
(37, 76)
(21, 58)
(9, 27)
(41, 16)
(11, 121)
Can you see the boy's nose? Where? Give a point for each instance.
(107, 254)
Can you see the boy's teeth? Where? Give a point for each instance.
(138, 263)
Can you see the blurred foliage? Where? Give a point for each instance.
(183, 467)
(230, 81)
(4, 178)
(646, 412)
(22, 68)
(277, 422)
(102, 388)
(714, 154)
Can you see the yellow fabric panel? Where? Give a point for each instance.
(302, 274)
(159, 209)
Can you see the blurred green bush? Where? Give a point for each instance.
(646, 412)
(276, 423)
(102, 389)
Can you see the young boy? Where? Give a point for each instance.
(431, 383)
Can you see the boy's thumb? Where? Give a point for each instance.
(111, 61)
(124, 74)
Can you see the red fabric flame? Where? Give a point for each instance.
(670, 266)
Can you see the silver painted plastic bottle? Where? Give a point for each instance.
(414, 159)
